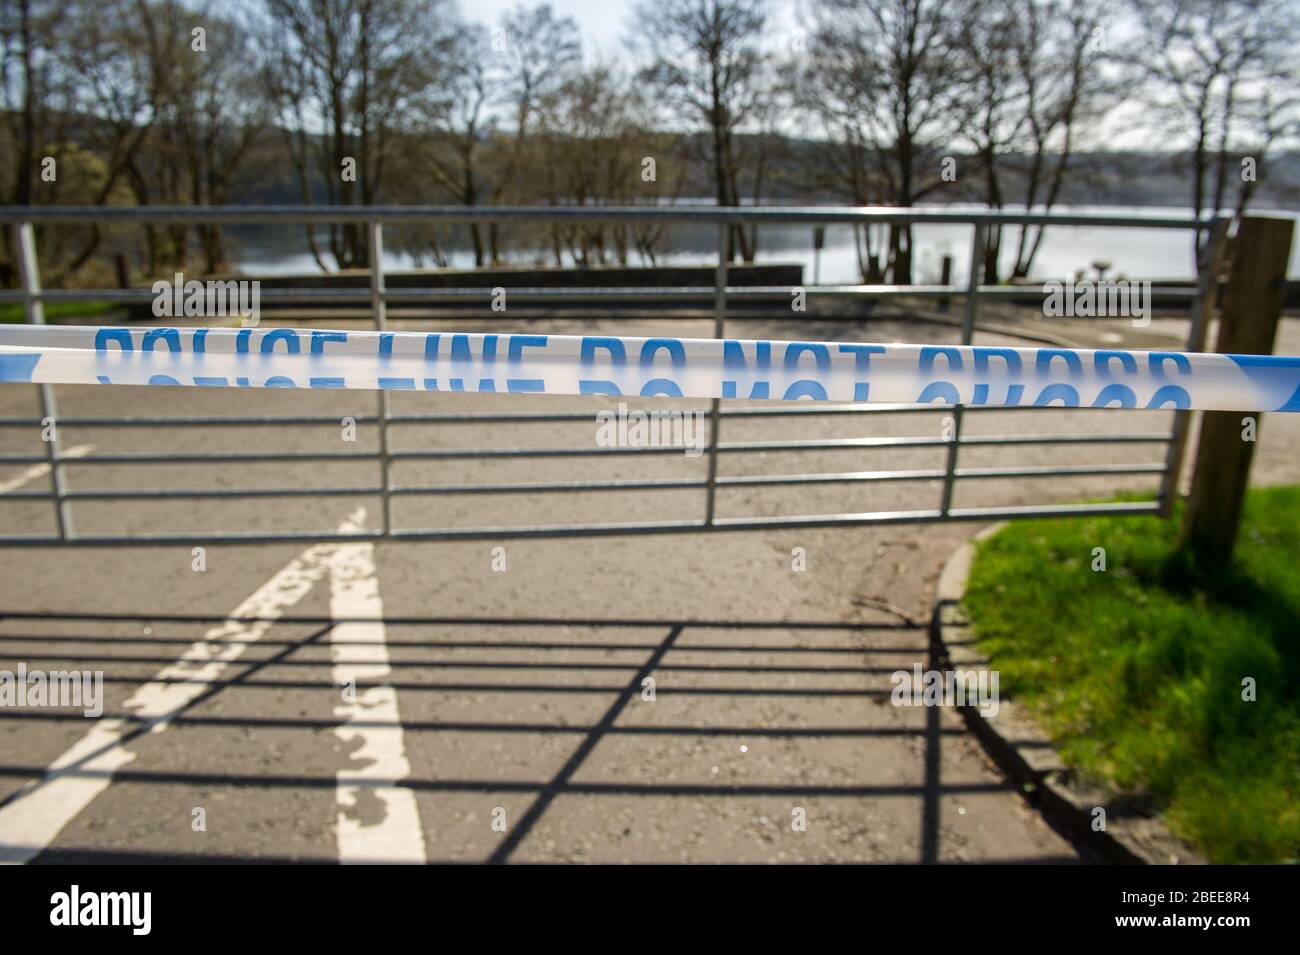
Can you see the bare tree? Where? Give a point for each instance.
(342, 77)
(538, 52)
(460, 123)
(217, 109)
(1222, 75)
(708, 66)
(121, 67)
(886, 75)
(1061, 53)
(592, 141)
(37, 94)
(1036, 76)
(994, 100)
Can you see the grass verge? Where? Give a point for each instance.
(14, 314)
(1137, 671)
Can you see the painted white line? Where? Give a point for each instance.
(40, 470)
(38, 812)
(377, 821)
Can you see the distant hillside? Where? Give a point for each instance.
(1098, 178)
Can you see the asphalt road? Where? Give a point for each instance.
(504, 714)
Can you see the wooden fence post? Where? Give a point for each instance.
(1252, 304)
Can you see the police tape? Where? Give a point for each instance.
(660, 366)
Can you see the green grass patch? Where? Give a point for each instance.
(1136, 672)
(14, 314)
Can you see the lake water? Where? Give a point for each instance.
(1135, 253)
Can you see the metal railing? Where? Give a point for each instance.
(378, 297)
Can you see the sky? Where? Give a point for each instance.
(604, 22)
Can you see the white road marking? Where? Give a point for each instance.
(40, 470)
(377, 821)
(38, 812)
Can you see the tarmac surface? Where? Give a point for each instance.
(653, 698)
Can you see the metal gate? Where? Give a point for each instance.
(390, 453)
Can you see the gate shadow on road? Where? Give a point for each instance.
(773, 683)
